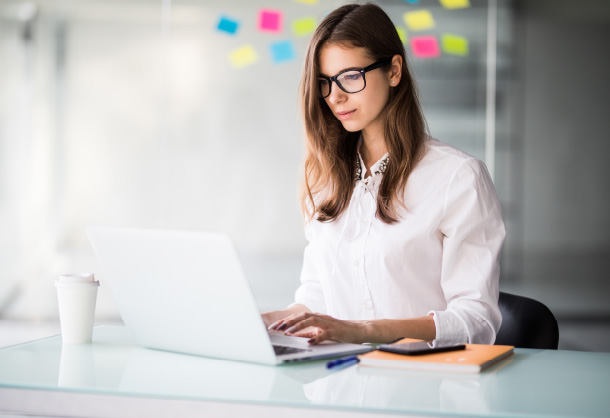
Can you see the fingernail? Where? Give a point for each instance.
(281, 327)
(310, 341)
(289, 330)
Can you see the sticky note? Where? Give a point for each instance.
(425, 47)
(282, 51)
(402, 33)
(244, 56)
(455, 45)
(412, 1)
(226, 24)
(304, 26)
(307, 1)
(455, 4)
(270, 20)
(419, 20)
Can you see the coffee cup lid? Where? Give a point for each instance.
(79, 279)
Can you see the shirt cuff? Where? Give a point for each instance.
(450, 328)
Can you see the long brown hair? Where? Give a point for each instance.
(329, 170)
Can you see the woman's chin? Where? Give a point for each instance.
(351, 126)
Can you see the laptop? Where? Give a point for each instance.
(187, 292)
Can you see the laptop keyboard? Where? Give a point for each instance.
(281, 349)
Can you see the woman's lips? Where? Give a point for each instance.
(345, 115)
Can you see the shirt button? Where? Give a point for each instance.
(365, 221)
(364, 305)
(356, 263)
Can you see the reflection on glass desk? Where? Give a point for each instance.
(536, 383)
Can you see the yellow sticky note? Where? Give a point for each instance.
(307, 1)
(455, 45)
(402, 33)
(244, 56)
(419, 20)
(304, 26)
(455, 4)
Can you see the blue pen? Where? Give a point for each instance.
(344, 361)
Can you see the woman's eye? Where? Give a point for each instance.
(352, 77)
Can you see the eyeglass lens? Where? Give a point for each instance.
(349, 81)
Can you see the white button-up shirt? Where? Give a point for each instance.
(441, 258)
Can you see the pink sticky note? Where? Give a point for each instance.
(270, 20)
(425, 47)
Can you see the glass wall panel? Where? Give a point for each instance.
(153, 114)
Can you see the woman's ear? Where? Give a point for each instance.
(395, 70)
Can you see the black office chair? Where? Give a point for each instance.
(526, 323)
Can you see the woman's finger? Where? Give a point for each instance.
(280, 323)
(322, 336)
(308, 332)
(291, 320)
(274, 325)
(304, 323)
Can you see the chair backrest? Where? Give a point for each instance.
(526, 323)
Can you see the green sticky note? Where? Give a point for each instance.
(455, 4)
(244, 56)
(402, 33)
(455, 45)
(419, 20)
(304, 26)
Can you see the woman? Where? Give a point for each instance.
(404, 231)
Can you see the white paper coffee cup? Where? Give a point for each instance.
(76, 295)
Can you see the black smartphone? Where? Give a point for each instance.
(417, 348)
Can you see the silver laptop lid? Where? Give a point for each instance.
(182, 291)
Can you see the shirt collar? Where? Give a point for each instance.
(376, 169)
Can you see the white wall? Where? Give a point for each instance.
(562, 67)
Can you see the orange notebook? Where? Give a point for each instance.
(473, 359)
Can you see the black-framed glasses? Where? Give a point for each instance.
(350, 81)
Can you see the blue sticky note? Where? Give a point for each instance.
(412, 1)
(282, 51)
(226, 24)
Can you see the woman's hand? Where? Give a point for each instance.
(299, 321)
(271, 317)
(318, 328)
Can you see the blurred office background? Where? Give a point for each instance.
(183, 114)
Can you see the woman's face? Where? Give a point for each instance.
(357, 111)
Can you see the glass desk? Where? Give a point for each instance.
(41, 377)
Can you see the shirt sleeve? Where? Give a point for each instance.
(310, 291)
(473, 236)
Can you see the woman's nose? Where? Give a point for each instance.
(336, 94)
